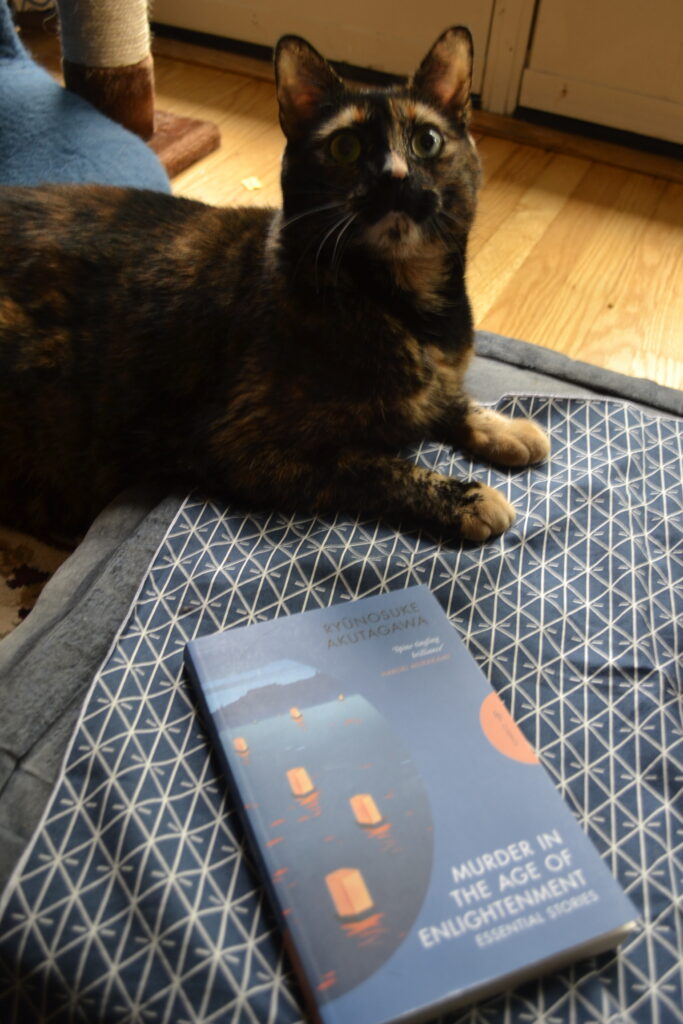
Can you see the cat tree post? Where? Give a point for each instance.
(107, 59)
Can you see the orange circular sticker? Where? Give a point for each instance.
(503, 733)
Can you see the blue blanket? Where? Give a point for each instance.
(136, 901)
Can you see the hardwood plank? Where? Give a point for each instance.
(245, 113)
(640, 325)
(584, 268)
(497, 260)
(493, 153)
(503, 189)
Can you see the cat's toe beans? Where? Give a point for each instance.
(533, 440)
(522, 443)
(488, 515)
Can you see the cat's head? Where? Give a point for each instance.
(391, 169)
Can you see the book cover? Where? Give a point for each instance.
(416, 852)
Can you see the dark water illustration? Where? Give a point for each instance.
(345, 823)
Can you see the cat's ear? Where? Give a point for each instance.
(445, 75)
(305, 84)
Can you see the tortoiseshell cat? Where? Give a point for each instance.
(277, 358)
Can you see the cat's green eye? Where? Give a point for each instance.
(345, 147)
(427, 142)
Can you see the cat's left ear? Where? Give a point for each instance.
(305, 84)
(445, 75)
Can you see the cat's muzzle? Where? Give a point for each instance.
(396, 213)
(393, 195)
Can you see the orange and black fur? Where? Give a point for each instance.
(276, 358)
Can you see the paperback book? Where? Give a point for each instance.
(417, 855)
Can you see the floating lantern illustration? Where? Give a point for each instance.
(295, 713)
(300, 782)
(349, 892)
(365, 810)
(240, 745)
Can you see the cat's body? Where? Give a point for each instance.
(277, 358)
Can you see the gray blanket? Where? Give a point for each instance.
(47, 664)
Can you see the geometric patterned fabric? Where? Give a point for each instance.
(138, 902)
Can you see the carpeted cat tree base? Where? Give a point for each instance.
(180, 142)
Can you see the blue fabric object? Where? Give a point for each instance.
(136, 901)
(48, 134)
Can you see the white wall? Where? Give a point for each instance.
(381, 34)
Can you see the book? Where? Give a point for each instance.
(416, 852)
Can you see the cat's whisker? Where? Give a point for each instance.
(314, 235)
(342, 223)
(336, 262)
(310, 213)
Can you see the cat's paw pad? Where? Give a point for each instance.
(507, 442)
(486, 514)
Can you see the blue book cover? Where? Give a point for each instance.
(417, 854)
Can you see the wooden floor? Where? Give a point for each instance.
(566, 252)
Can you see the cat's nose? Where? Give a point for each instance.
(395, 165)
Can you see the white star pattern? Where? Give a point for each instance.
(138, 902)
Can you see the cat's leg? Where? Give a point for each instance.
(389, 487)
(474, 510)
(500, 440)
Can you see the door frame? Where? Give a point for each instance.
(512, 24)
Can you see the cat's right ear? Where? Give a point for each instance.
(305, 83)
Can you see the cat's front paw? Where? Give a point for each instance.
(486, 513)
(504, 441)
